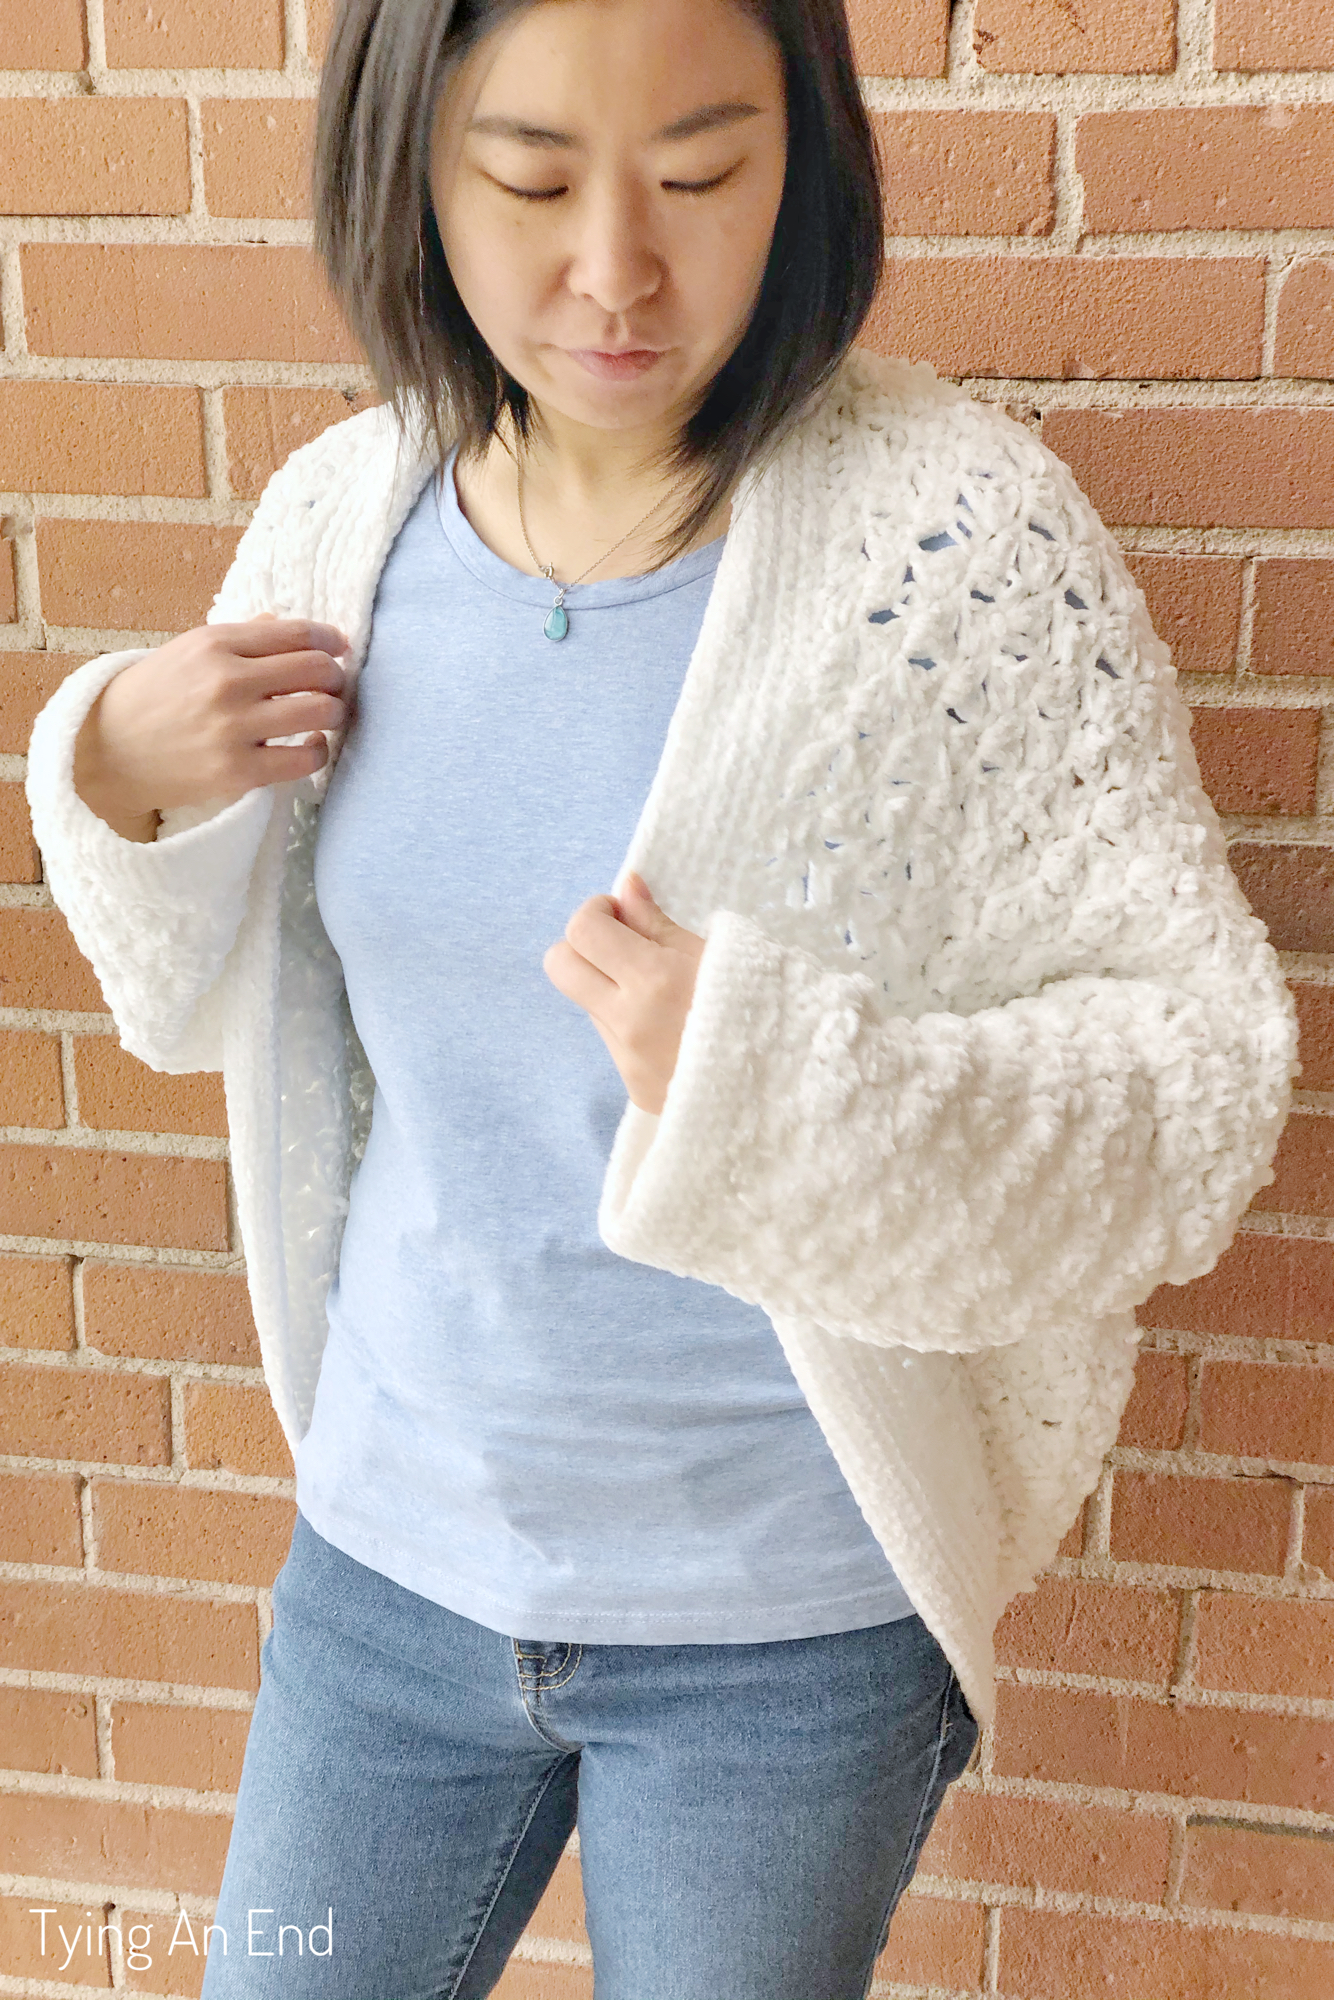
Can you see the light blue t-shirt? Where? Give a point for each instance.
(511, 1419)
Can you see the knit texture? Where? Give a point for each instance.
(986, 1043)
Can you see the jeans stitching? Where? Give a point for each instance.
(910, 1851)
(528, 1686)
(447, 1994)
(548, 1679)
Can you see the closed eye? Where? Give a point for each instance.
(672, 187)
(699, 187)
(532, 194)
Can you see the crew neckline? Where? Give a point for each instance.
(492, 570)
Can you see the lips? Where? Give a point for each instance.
(616, 365)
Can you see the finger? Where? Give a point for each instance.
(287, 673)
(288, 714)
(265, 634)
(578, 979)
(273, 765)
(606, 942)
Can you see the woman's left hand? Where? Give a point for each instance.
(633, 970)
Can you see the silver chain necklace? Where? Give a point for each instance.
(557, 621)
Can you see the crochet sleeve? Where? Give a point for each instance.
(156, 919)
(958, 1180)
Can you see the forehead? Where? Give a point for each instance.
(660, 70)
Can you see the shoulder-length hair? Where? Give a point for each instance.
(376, 234)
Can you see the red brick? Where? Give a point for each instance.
(1273, 34)
(97, 437)
(1304, 345)
(127, 1634)
(1046, 1844)
(319, 26)
(1268, 1871)
(131, 576)
(85, 1413)
(1049, 1955)
(907, 39)
(1219, 1524)
(49, 1731)
(77, 1194)
(46, 37)
(1282, 1411)
(161, 1743)
(1303, 1167)
(186, 302)
(21, 1941)
(167, 1530)
(265, 425)
(1318, 1535)
(27, 682)
(257, 155)
(41, 966)
(1206, 468)
(968, 173)
(156, 1313)
(1258, 760)
(1063, 317)
(40, 1521)
(1292, 890)
(1155, 1416)
(523, 1981)
(1212, 167)
(195, 34)
(560, 1910)
(1195, 605)
(933, 1942)
(1264, 1287)
(94, 156)
(1315, 1027)
(1074, 1736)
(119, 1093)
(31, 1091)
(234, 1428)
(1114, 37)
(1067, 1625)
(113, 1840)
(19, 860)
(1265, 1645)
(37, 1302)
(1294, 616)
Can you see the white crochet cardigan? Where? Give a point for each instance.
(986, 1042)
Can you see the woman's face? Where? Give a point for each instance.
(606, 175)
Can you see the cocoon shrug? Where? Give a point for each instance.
(986, 1042)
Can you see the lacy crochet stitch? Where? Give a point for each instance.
(986, 1043)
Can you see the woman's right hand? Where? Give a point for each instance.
(188, 722)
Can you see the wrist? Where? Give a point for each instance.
(126, 818)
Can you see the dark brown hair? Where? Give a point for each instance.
(375, 231)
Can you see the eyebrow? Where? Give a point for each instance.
(709, 118)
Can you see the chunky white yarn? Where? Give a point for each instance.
(986, 1043)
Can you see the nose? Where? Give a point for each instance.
(614, 262)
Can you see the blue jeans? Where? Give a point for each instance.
(748, 1815)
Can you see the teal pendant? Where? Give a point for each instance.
(557, 622)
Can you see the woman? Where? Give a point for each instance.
(662, 1465)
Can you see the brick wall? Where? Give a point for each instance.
(1116, 218)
